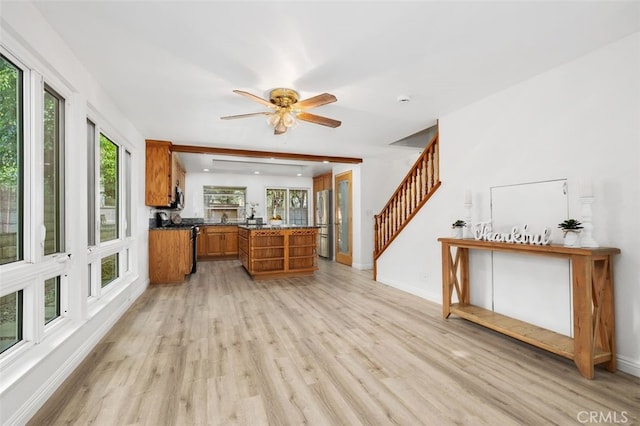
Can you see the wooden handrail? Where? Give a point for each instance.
(422, 180)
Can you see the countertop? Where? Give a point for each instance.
(250, 227)
(191, 224)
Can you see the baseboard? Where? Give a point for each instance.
(362, 266)
(628, 366)
(437, 298)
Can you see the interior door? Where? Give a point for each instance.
(343, 218)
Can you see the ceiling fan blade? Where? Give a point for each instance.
(231, 117)
(315, 101)
(255, 98)
(317, 119)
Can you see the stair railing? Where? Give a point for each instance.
(415, 190)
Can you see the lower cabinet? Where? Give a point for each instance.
(170, 255)
(217, 241)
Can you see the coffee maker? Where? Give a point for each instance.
(162, 219)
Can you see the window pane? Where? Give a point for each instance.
(52, 168)
(11, 176)
(109, 269)
(51, 299)
(298, 208)
(108, 189)
(127, 194)
(276, 204)
(10, 320)
(91, 183)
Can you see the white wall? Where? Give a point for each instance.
(28, 380)
(580, 120)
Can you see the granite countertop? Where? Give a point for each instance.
(278, 226)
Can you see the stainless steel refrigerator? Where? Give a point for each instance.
(324, 219)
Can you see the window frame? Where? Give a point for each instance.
(60, 154)
(121, 245)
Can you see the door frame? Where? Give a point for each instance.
(347, 257)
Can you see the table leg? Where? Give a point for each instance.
(583, 347)
(446, 280)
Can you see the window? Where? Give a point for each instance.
(109, 201)
(11, 168)
(291, 205)
(52, 172)
(109, 209)
(10, 320)
(51, 299)
(224, 203)
(109, 269)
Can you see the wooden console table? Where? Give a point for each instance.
(593, 339)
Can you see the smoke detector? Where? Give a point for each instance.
(403, 99)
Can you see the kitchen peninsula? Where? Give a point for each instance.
(278, 251)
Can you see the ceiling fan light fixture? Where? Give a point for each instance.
(273, 119)
(288, 119)
(280, 127)
(288, 109)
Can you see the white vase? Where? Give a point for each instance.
(457, 232)
(571, 238)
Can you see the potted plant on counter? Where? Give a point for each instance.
(458, 227)
(276, 219)
(571, 229)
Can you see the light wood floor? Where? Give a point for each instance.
(333, 349)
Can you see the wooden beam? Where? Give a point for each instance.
(263, 154)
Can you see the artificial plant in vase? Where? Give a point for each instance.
(571, 231)
(458, 227)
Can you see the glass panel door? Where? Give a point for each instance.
(343, 218)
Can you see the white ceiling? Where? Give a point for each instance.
(171, 66)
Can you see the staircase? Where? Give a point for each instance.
(417, 187)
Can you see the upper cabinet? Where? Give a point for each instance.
(178, 174)
(164, 173)
(322, 182)
(158, 174)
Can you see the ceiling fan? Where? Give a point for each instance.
(286, 108)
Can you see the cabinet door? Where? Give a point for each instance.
(215, 243)
(328, 181)
(169, 255)
(230, 243)
(202, 242)
(158, 174)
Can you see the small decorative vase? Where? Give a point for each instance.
(457, 232)
(571, 238)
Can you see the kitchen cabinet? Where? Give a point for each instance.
(178, 175)
(158, 191)
(163, 173)
(170, 255)
(218, 241)
(321, 183)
